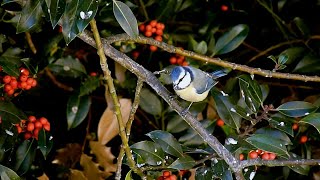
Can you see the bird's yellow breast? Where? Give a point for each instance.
(190, 94)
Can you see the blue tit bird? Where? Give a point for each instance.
(192, 84)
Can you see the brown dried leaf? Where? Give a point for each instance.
(68, 156)
(77, 175)
(104, 157)
(120, 73)
(43, 177)
(90, 169)
(108, 126)
(211, 111)
(193, 174)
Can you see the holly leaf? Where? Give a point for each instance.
(45, 142)
(24, 156)
(125, 18)
(77, 109)
(296, 108)
(312, 119)
(184, 162)
(7, 173)
(150, 103)
(29, 16)
(149, 151)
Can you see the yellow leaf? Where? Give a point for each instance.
(90, 169)
(43, 177)
(77, 175)
(104, 157)
(108, 126)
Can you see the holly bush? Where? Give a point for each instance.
(85, 91)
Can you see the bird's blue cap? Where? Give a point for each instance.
(176, 73)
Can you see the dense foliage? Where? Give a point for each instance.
(58, 119)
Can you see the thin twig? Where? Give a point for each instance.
(30, 42)
(56, 82)
(282, 162)
(206, 59)
(107, 75)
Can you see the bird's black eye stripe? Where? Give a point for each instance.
(185, 73)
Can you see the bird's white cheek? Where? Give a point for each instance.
(185, 82)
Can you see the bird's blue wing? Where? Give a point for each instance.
(202, 81)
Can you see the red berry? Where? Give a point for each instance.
(272, 156)
(153, 23)
(28, 87)
(14, 84)
(224, 8)
(160, 26)
(30, 126)
(220, 122)
(182, 172)
(23, 78)
(148, 28)
(153, 48)
(23, 85)
(36, 133)
(148, 33)
(159, 32)
(24, 71)
(38, 125)
(253, 155)
(46, 127)
(27, 135)
(30, 81)
(7, 87)
(135, 54)
(153, 30)
(173, 177)
(295, 126)
(166, 173)
(0, 68)
(10, 92)
(303, 139)
(185, 63)
(32, 118)
(142, 27)
(259, 151)
(158, 38)
(6, 79)
(180, 60)
(93, 74)
(43, 120)
(34, 83)
(173, 60)
(241, 157)
(19, 129)
(265, 156)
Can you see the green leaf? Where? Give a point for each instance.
(87, 11)
(267, 143)
(77, 109)
(68, 21)
(10, 61)
(283, 58)
(55, 10)
(129, 176)
(275, 134)
(204, 173)
(7, 173)
(231, 39)
(30, 16)
(225, 109)
(89, 85)
(301, 25)
(251, 92)
(150, 103)
(300, 169)
(283, 124)
(296, 108)
(293, 54)
(125, 18)
(184, 162)
(176, 124)
(309, 64)
(221, 169)
(167, 142)
(68, 67)
(193, 138)
(201, 48)
(149, 151)
(24, 156)
(45, 142)
(312, 119)
(10, 113)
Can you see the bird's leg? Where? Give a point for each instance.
(162, 71)
(185, 111)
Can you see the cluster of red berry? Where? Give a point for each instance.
(166, 175)
(32, 126)
(259, 153)
(24, 82)
(153, 29)
(178, 59)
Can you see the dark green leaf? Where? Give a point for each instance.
(296, 108)
(231, 39)
(10, 113)
(293, 54)
(45, 142)
(69, 20)
(10, 61)
(312, 119)
(91, 84)
(300, 169)
(226, 109)
(283, 58)
(204, 173)
(87, 11)
(30, 16)
(68, 66)
(7, 173)
(25, 155)
(221, 169)
(251, 92)
(309, 64)
(282, 124)
(167, 142)
(176, 124)
(303, 28)
(275, 134)
(249, 172)
(55, 10)
(29, 66)
(267, 143)
(125, 18)
(150, 152)
(150, 103)
(201, 48)
(77, 109)
(184, 162)
(193, 138)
